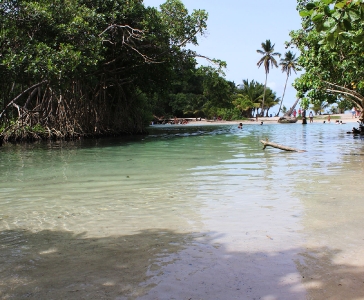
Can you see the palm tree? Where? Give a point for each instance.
(288, 63)
(252, 93)
(268, 60)
(270, 100)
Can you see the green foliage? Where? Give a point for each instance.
(268, 56)
(47, 39)
(229, 114)
(336, 20)
(289, 63)
(249, 97)
(344, 105)
(305, 103)
(181, 26)
(194, 93)
(330, 57)
(319, 107)
(107, 66)
(284, 109)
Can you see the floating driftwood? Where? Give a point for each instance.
(274, 145)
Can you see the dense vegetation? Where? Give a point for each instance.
(331, 53)
(90, 67)
(73, 68)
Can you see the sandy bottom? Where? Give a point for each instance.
(266, 255)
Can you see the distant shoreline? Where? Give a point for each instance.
(346, 118)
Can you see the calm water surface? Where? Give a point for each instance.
(186, 212)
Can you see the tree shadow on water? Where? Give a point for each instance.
(63, 265)
(155, 264)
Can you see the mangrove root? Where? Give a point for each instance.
(274, 145)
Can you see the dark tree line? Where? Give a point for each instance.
(89, 67)
(74, 68)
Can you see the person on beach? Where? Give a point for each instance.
(299, 112)
(311, 116)
(328, 119)
(353, 112)
(294, 113)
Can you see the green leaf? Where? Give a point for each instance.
(333, 29)
(320, 26)
(310, 6)
(336, 15)
(354, 15)
(347, 24)
(322, 42)
(359, 38)
(317, 17)
(328, 1)
(329, 23)
(331, 40)
(346, 34)
(305, 13)
(340, 4)
(327, 11)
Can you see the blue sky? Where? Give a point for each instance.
(236, 29)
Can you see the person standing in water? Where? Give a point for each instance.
(311, 116)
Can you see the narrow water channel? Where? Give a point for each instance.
(187, 212)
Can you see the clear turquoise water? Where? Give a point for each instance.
(207, 187)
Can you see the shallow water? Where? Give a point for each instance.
(186, 212)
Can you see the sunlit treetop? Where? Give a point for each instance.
(336, 20)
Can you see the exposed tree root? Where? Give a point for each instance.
(41, 113)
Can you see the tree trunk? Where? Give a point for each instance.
(284, 91)
(265, 87)
(304, 119)
(289, 112)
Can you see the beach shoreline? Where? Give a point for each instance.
(345, 118)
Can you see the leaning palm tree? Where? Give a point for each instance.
(267, 60)
(288, 63)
